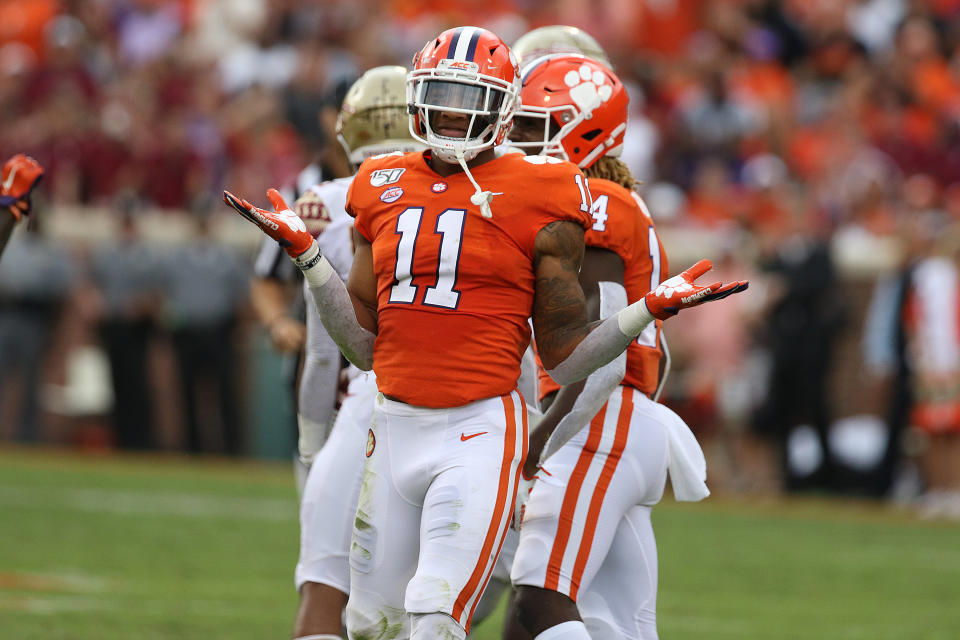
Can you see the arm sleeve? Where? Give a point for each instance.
(600, 384)
(333, 304)
(607, 340)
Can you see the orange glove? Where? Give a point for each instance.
(20, 175)
(679, 292)
(284, 226)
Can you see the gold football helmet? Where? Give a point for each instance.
(373, 117)
(558, 38)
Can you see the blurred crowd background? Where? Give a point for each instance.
(810, 146)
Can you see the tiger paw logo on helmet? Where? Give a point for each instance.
(588, 88)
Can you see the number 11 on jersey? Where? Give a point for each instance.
(443, 293)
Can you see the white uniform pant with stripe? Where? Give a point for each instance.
(329, 501)
(586, 529)
(436, 502)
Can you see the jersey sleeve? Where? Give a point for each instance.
(354, 202)
(565, 193)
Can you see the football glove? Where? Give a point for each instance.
(282, 224)
(20, 175)
(679, 292)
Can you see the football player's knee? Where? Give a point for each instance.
(435, 626)
(368, 621)
(365, 539)
(443, 506)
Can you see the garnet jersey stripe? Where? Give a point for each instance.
(455, 290)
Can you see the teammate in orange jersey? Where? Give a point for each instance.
(445, 276)
(586, 538)
(20, 174)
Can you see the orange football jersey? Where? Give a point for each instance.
(454, 289)
(622, 224)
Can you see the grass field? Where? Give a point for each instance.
(151, 549)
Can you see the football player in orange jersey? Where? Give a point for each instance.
(445, 276)
(19, 176)
(586, 537)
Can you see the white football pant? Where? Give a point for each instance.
(586, 529)
(435, 505)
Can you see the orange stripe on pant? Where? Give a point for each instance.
(569, 507)
(603, 483)
(476, 578)
(516, 484)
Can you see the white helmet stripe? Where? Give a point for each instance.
(463, 43)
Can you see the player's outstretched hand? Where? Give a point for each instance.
(282, 224)
(680, 292)
(20, 175)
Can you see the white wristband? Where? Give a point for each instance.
(634, 318)
(316, 268)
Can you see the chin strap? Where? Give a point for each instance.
(480, 198)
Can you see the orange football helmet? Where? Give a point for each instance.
(576, 108)
(465, 70)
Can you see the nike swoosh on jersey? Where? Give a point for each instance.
(464, 437)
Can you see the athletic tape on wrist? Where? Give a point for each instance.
(316, 269)
(634, 319)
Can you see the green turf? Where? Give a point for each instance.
(146, 548)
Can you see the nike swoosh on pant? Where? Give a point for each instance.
(464, 437)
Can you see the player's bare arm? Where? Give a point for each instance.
(270, 298)
(362, 283)
(559, 305)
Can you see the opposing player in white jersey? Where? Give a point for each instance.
(373, 120)
(586, 559)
